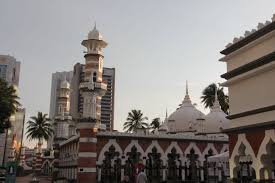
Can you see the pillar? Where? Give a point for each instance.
(164, 174)
(99, 174)
(202, 174)
(183, 174)
(219, 173)
(122, 174)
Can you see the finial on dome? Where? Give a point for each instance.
(95, 25)
(216, 105)
(166, 115)
(187, 98)
(186, 88)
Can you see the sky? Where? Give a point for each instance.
(154, 45)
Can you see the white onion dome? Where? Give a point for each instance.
(95, 34)
(185, 117)
(215, 120)
(65, 84)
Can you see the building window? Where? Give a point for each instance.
(94, 77)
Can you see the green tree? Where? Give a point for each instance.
(208, 97)
(39, 128)
(155, 124)
(8, 104)
(134, 121)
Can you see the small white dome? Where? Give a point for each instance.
(215, 120)
(163, 127)
(65, 84)
(185, 117)
(95, 34)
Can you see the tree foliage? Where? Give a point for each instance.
(134, 121)
(155, 124)
(208, 97)
(39, 127)
(8, 104)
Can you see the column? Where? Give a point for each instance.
(164, 174)
(99, 174)
(202, 174)
(122, 174)
(219, 173)
(183, 173)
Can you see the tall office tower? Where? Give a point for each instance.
(57, 79)
(9, 69)
(108, 100)
(11, 139)
(76, 100)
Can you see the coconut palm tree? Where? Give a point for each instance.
(8, 102)
(39, 128)
(208, 97)
(155, 124)
(134, 121)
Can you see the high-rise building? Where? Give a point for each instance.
(11, 139)
(107, 101)
(57, 79)
(9, 69)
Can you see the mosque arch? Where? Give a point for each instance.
(268, 161)
(157, 146)
(210, 147)
(176, 146)
(111, 142)
(133, 143)
(237, 151)
(197, 151)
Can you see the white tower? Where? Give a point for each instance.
(63, 119)
(92, 89)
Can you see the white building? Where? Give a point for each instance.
(57, 79)
(11, 139)
(9, 69)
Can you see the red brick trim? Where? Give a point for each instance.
(233, 138)
(255, 139)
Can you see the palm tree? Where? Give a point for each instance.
(8, 102)
(155, 124)
(39, 128)
(208, 97)
(134, 121)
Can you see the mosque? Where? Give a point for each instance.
(84, 151)
(189, 145)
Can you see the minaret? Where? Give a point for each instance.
(63, 118)
(62, 122)
(92, 89)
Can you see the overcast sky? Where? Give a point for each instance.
(155, 46)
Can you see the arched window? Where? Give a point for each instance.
(94, 77)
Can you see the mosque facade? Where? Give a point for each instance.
(250, 75)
